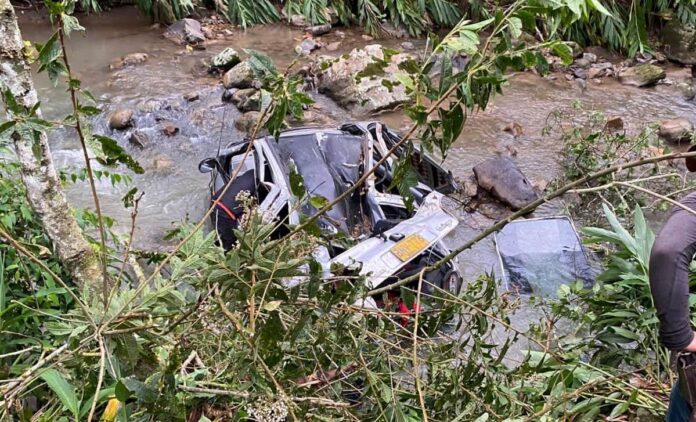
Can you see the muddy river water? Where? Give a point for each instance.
(174, 189)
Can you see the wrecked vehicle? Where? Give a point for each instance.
(389, 242)
(539, 255)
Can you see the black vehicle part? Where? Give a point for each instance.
(228, 210)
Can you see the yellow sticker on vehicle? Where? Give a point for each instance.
(409, 247)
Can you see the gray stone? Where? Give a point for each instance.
(581, 63)
(240, 76)
(185, 31)
(138, 139)
(501, 177)
(580, 73)
(364, 80)
(247, 99)
(642, 75)
(247, 121)
(688, 90)
(590, 57)
(305, 47)
(407, 45)
(676, 131)
(121, 119)
(318, 30)
(680, 40)
(225, 60)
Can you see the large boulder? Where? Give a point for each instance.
(225, 60)
(240, 76)
(676, 130)
(680, 42)
(364, 80)
(502, 178)
(642, 75)
(185, 31)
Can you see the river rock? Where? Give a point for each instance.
(298, 20)
(333, 46)
(306, 47)
(247, 121)
(357, 80)
(614, 124)
(407, 45)
(680, 40)
(676, 130)
(642, 75)
(581, 63)
(318, 30)
(121, 119)
(590, 57)
(240, 76)
(138, 139)
(225, 60)
(185, 31)
(128, 60)
(687, 89)
(247, 99)
(168, 128)
(501, 177)
(191, 96)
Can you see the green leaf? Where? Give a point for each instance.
(63, 389)
(261, 64)
(122, 392)
(70, 24)
(114, 154)
(515, 25)
(563, 51)
(142, 392)
(598, 6)
(297, 186)
(318, 202)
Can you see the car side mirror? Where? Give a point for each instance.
(207, 165)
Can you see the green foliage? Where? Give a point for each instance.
(592, 141)
(246, 13)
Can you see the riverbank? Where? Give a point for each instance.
(173, 187)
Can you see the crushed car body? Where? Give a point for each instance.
(387, 242)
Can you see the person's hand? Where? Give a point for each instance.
(692, 346)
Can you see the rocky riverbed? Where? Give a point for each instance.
(171, 101)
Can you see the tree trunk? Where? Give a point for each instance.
(44, 191)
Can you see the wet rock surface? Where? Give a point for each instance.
(357, 81)
(121, 119)
(501, 177)
(185, 31)
(225, 60)
(642, 75)
(240, 76)
(680, 39)
(128, 60)
(676, 131)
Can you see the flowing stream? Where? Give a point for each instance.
(174, 189)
